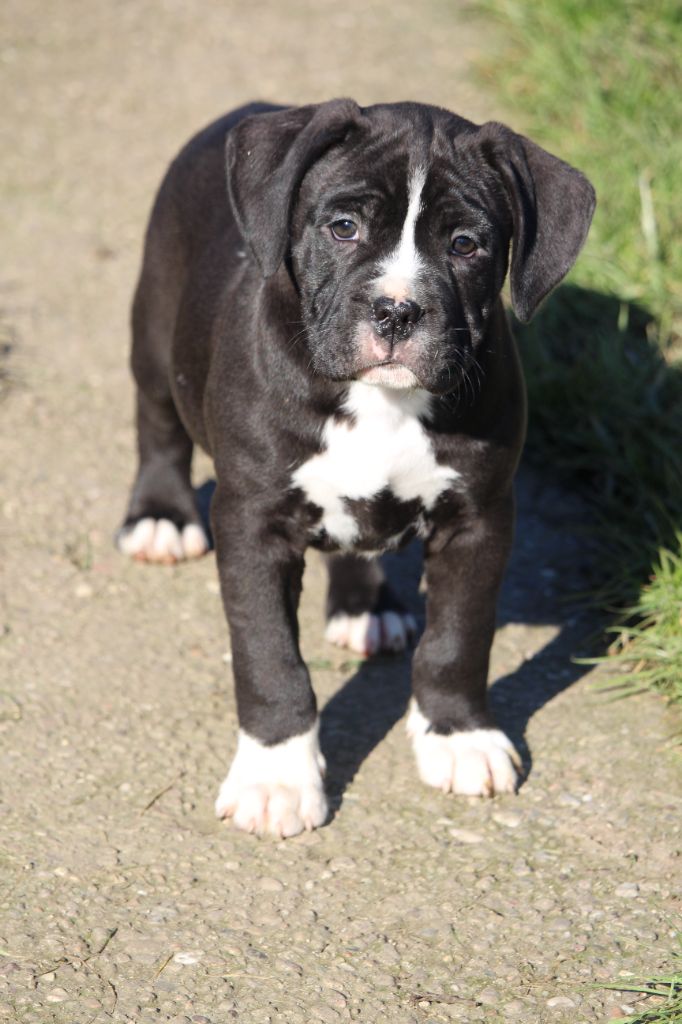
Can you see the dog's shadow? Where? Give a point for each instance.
(546, 562)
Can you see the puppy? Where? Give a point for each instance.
(332, 335)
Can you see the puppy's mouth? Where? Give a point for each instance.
(389, 374)
(384, 362)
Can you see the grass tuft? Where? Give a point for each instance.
(666, 992)
(599, 85)
(649, 645)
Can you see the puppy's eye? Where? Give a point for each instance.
(462, 245)
(344, 230)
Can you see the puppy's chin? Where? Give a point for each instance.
(390, 375)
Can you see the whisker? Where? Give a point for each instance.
(291, 342)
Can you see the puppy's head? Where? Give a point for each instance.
(398, 221)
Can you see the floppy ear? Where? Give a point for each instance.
(267, 156)
(551, 205)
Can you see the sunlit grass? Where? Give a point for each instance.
(663, 991)
(599, 85)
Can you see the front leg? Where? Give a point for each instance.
(457, 745)
(275, 782)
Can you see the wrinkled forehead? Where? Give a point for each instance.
(358, 173)
(392, 161)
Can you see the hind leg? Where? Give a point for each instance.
(363, 613)
(162, 523)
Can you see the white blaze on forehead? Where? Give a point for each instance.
(400, 268)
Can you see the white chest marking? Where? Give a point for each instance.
(384, 446)
(399, 270)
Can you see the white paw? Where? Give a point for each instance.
(159, 540)
(276, 789)
(369, 634)
(480, 762)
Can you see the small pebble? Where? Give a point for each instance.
(270, 885)
(463, 835)
(324, 1013)
(521, 868)
(559, 924)
(388, 954)
(489, 996)
(57, 995)
(510, 819)
(187, 958)
(342, 864)
(560, 1002)
(628, 890)
(337, 1000)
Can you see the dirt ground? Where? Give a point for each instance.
(121, 897)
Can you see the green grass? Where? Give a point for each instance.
(649, 645)
(599, 85)
(665, 992)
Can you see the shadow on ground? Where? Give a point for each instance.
(605, 405)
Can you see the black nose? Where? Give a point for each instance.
(395, 318)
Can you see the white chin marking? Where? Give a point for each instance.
(480, 762)
(369, 634)
(159, 540)
(276, 790)
(390, 376)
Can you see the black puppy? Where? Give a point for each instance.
(334, 337)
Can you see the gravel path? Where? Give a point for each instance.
(121, 897)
